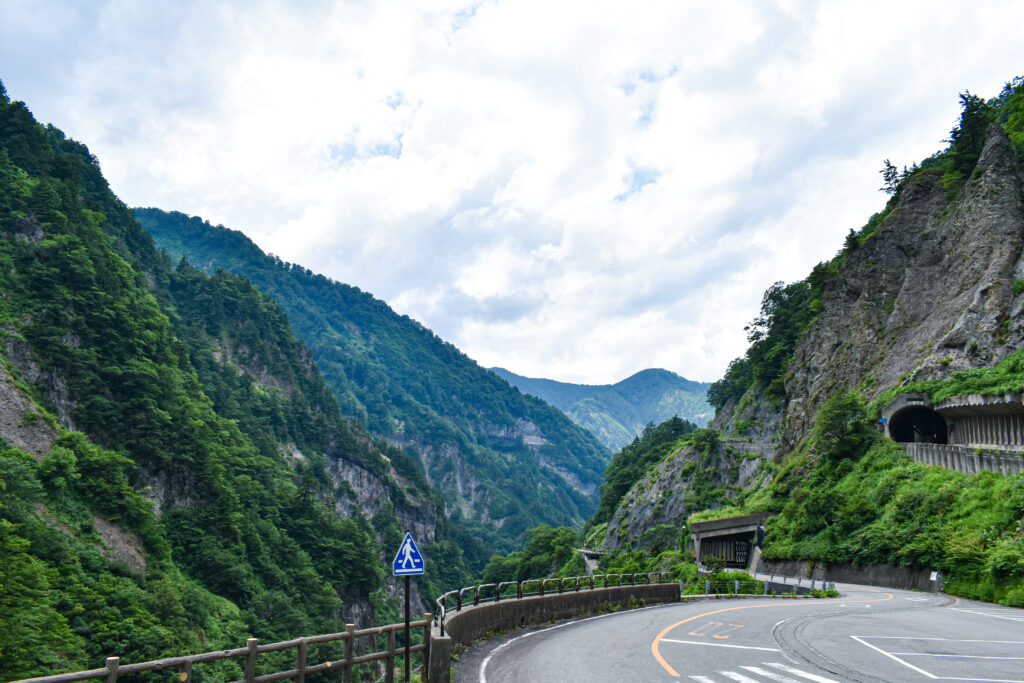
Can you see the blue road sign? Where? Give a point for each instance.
(408, 560)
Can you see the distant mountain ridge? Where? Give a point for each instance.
(503, 461)
(617, 413)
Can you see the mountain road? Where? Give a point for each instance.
(867, 634)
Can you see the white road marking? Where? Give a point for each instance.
(892, 655)
(738, 647)
(948, 640)
(771, 676)
(929, 654)
(738, 677)
(895, 659)
(797, 672)
(1010, 615)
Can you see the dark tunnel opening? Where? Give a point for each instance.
(918, 424)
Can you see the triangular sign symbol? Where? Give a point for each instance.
(408, 559)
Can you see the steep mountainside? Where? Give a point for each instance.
(504, 462)
(617, 413)
(174, 475)
(927, 297)
(931, 292)
(701, 473)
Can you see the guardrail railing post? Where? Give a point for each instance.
(112, 664)
(737, 586)
(185, 673)
(300, 661)
(425, 661)
(389, 671)
(707, 587)
(350, 630)
(250, 659)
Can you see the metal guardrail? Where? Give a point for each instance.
(253, 649)
(517, 590)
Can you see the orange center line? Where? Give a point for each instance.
(656, 643)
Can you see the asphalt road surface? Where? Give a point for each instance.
(867, 634)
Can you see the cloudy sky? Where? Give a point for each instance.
(573, 190)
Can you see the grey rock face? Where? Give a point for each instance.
(20, 424)
(666, 494)
(930, 293)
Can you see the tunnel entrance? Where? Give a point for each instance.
(918, 424)
(731, 540)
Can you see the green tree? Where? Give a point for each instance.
(34, 637)
(890, 178)
(968, 137)
(839, 430)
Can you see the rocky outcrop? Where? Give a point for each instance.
(930, 293)
(755, 418)
(21, 425)
(121, 545)
(681, 484)
(19, 354)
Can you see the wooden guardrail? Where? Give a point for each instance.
(253, 649)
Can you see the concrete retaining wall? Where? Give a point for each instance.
(963, 458)
(885, 575)
(473, 623)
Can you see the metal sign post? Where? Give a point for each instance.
(408, 562)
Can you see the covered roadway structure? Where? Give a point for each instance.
(732, 539)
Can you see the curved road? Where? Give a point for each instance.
(867, 634)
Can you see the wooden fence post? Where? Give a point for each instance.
(250, 660)
(112, 664)
(186, 672)
(349, 652)
(426, 649)
(300, 661)
(389, 674)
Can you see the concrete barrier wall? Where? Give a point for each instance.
(474, 623)
(886, 575)
(963, 458)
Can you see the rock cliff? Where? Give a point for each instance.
(931, 292)
(938, 287)
(687, 481)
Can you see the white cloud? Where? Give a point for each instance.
(569, 190)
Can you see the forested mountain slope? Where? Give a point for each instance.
(617, 413)
(927, 297)
(174, 474)
(504, 462)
